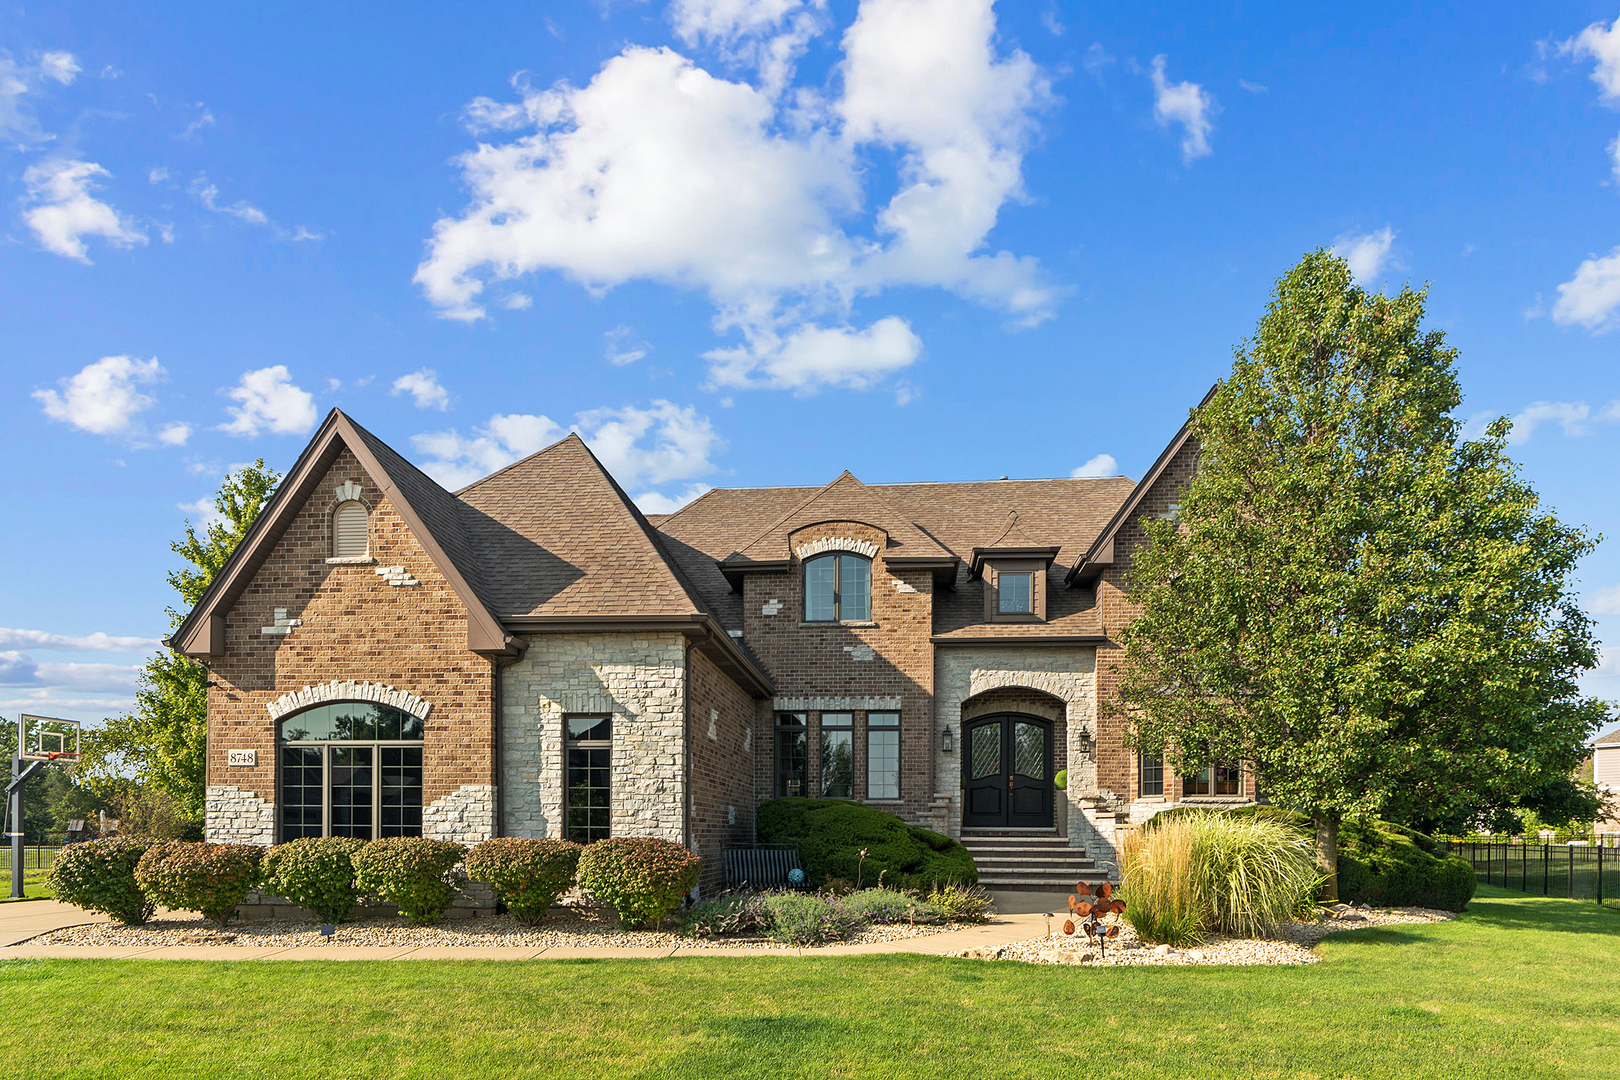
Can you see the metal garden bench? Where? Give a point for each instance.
(762, 866)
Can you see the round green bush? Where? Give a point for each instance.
(317, 873)
(642, 878)
(193, 875)
(527, 875)
(832, 833)
(99, 875)
(415, 874)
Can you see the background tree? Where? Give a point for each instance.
(1371, 614)
(162, 743)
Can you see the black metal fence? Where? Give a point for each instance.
(1573, 871)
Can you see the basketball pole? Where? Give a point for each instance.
(20, 772)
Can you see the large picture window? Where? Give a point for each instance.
(882, 755)
(792, 756)
(837, 588)
(350, 768)
(590, 769)
(837, 755)
(1215, 780)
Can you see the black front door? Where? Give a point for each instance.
(1007, 772)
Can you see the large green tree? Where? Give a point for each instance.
(1367, 610)
(163, 741)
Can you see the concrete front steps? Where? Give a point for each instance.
(1029, 859)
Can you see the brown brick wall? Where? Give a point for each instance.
(722, 777)
(816, 660)
(354, 626)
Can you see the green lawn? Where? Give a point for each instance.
(34, 884)
(1519, 987)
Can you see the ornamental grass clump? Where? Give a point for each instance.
(527, 875)
(803, 919)
(642, 878)
(99, 875)
(194, 875)
(316, 873)
(417, 875)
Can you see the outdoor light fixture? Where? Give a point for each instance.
(946, 742)
(1086, 745)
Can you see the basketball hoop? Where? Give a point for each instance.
(49, 739)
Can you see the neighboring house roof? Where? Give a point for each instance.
(1611, 739)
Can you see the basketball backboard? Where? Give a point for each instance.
(46, 738)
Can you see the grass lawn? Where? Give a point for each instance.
(34, 884)
(1518, 987)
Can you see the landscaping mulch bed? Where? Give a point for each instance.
(1292, 944)
(566, 926)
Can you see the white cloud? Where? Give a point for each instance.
(201, 513)
(642, 448)
(424, 387)
(1367, 253)
(1572, 416)
(1096, 61)
(96, 642)
(1187, 104)
(18, 82)
(1608, 664)
(1602, 46)
(1101, 465)
(76, 677)
(102, 398)
(623, 347)
(63, 212)
(60, 66)
(1592, 297)
(174, 434)
(615, 181)
(208, 195)
(768, 36)
(157, 175)
(517, 302)
(652, 502)
(1604, 601)
(815, 356)
(204, 120)
(1251, 87)
(267, 400)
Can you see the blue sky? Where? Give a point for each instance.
(742, 243)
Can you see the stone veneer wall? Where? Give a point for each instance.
(1064, 672)
(638, 679)
(303, 622)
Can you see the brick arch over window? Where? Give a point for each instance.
(349, 690)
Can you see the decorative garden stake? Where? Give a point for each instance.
(859, 866)
(1091, 913)
(1048, 917)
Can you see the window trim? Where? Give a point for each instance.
(823, 730)
(1143, 763)
(838, 558)
(991, 578)
(569, 744)
(1235, 768)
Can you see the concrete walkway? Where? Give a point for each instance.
(21, 921)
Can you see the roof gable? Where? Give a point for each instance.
(845, 499)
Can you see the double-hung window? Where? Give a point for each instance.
(590, 770)
(837, 588)
(882, 755)
(837, 755)
(1150, 774)
(350, 768)
(1015, 593)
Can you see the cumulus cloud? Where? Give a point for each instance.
(1592, 297)
(424, 388)
(19, 82)
(268, 400)
(202, 513)
(1604, 601)
(1187, 104)
(174, 434)
(103, 398)
(62, 211)
(621, 180)
(1367, 253)
(814, 356)
(1101, 465)
(642, 448)
(96, 642)
(18, 669)
(208, 195)
(653, 502)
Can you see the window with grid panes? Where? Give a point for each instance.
(590, 762)
(1151, 774)
(350, 768)
(882, 755)
(837, 588)
(792, 756)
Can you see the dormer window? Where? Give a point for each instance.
(837, 588)
(1014, 593)
(349, 532)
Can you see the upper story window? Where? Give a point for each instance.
(349, 539)
(837, 588)
(1015, 594)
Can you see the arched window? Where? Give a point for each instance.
(350, 768)
(349, 530)
(837, 588)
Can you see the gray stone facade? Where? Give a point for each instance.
(639, 680)
(238, 816)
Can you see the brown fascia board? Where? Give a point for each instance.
(701, 627)
(1047, 555)
(1101, 553)
(1024, 639)
(202, 633)
(733, 571)
(944, 569)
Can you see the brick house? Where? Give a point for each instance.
(533, 656)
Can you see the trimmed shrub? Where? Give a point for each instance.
(527, 875)
(415, 874)
(806, 919)
(831, 833)
(963, 903)
(317, 873)
(642, 878)
(733, 913)
(885, 906)
(99, 875)
(196, 876)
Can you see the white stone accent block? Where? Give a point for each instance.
(902, 587)
(860, 652)
(465, 816)
(396, 576)
(836, 543)
(349, 690)
(771, 607)
(235, 816)
(835, 704)
(347, 491)
(283, 626)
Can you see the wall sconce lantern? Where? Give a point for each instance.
(1086, 745)
(947, 742)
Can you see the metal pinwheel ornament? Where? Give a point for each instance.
(1090, 903)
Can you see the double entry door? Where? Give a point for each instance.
(1007, 772)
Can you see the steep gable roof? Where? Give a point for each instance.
(845, 499)
(432, 514)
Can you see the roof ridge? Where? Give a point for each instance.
(671, 517)
(459, 492)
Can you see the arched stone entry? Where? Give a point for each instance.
(1007, 771)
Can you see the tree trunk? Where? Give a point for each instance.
(1327, 854)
